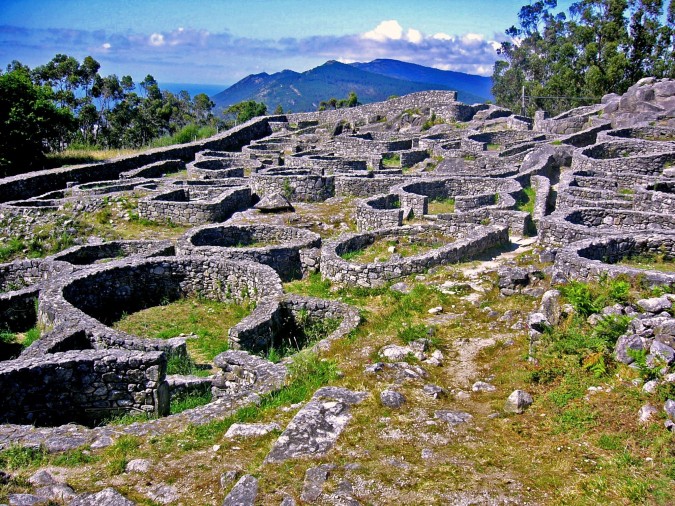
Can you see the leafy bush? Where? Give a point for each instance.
(588, 299)
(647, 372)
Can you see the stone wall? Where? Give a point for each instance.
(542, 192)
(568, 122)
(478, 142)
(178, 206)
(444, 103)
(564, 227)
(157, 169)
(325, 164)
(274, 321)
(25, 186)
(413, 156)
(93, 299)
(82, 386)
(632, 157)
(337, 269)
(300, 188)
(380, 211)
(657, 198)
(416, 195)
(647, 133)
(365, 186)
(276, 246)
(589, 259)
(517, 222)
(81, 256)
(218, 168)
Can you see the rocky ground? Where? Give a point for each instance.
(498, 380)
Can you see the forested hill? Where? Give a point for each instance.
(299, 92)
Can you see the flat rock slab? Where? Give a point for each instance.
(315, 477)
(453, 417)
(251, 429)
(243, 493)
(315, 428)
(164, 494)
(106, 497)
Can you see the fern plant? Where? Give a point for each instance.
(647, 372)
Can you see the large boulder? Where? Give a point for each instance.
(274, 203)
(648, 100)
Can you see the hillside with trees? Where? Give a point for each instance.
(65, 103)
(596, 47)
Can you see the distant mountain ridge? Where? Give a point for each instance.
(466, 83)
(372, 82)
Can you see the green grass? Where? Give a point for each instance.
(391, 160)
(307, 373)
(77, 154)
(494, 147)
(81, 153)
(209, 320)
(25, 339)
(11, 249)
(432, 121)
(190, 400)
(188, 133)
(525, 201)
(653, 262)
(441, 206)
(413, 332)
(405, 246)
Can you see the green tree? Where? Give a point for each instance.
(244, 111)
(352, 100)
(30, 122)
(202, 106)
(597, 47)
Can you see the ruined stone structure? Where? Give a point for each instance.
(590, 186)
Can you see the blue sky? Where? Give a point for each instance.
(220, 42)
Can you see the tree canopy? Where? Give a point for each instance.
(596, 47)
(30, 121)
(333, 103)
(246, 110)
(65, 102)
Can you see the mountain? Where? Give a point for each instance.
(304, 91)
(467, 83)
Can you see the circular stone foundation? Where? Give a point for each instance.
(289, 251)
(341, 270)
(645, 256)
(567, 226)
(625, 157)
(93, 299)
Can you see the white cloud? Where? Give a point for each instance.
(414, 36)
(157, 39)
(472, 38)
(199, 53)
(391, 30)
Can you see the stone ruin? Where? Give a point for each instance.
(603, 179)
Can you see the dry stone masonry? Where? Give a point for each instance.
(592, 187)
